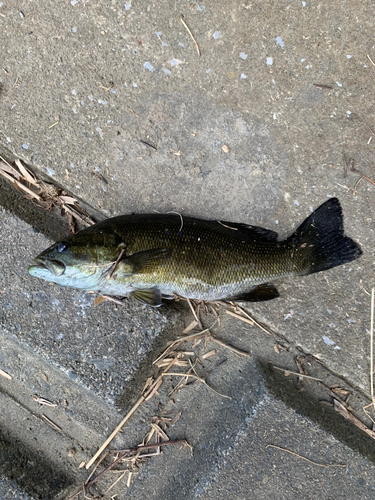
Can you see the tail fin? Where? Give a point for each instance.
(319, 243)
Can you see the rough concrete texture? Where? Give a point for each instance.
(240, 133)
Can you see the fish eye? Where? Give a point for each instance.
(61, 247)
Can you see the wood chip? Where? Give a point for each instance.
(209, 354)
(192, 325)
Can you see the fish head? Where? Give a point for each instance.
(79, 261)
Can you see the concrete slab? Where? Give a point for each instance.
(254, 130)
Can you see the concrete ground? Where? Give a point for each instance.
(112, 102)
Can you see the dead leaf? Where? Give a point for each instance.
(26, 173)
(98, 300)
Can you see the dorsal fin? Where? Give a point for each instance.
(255, 233)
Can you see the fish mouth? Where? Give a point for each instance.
(55, 267)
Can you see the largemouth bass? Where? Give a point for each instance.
(151, 256)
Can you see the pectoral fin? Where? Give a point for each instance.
(258, 293)
(150, 296)
(148, 260)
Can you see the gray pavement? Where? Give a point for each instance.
(244, 133)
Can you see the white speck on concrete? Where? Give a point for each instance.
(339, 84)
(351, 321)
(74, 92)
(308, 66)
(74, 30)
(289, 315)
(348, 113)
(173, 62)
(276, 221)
(337, 347)
(243, 56)
(167, 71)
(100, 132)
(74, 111)
(127, 6)
(25, 146)
(208, 71)
(303, 4)
(331, 325)
(164, 44)
(279, 41)
(243, 76)
(329, 311)
(328, 341)
(73, 2)
(135, 85)
(91, 97)
(296, 203)
(216, 34)
(102, 102)
(200, 7)
(359, 366)
(148, 66)
(302, 60)
(348, 56)
(8, 140)
(50, 171)
(148, 8)
(269, 61)
(158, 33)
(181, 44)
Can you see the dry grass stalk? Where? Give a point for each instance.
(288, 372)
(304, 458)
(192, 36)
(372, 345)
(340, 407)
(44, 195)
(238, 316)
(5, 374)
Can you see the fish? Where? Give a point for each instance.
(154, 256)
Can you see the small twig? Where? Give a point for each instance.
(182, 221)
(227, 346)
(52, 424)
(238, 316)
(288, 372)
(357, 184)
(324, 87)
(148, 144)
(116, 263)
(371, 61)
(54, 124)
(363, 175)
(192, 36)
(303, 458)
(194, 313)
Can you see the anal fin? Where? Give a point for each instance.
(258, 293)
(149, 297)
